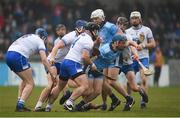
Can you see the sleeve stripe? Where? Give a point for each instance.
(42, 49)
(86, 49)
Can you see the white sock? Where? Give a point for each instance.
(49, 105)
(19, 98)
(39, 104)
(70, 102)
(21, 101)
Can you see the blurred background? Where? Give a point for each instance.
(18, 17)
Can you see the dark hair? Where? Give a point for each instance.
(59, 26)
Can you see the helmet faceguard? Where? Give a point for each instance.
(41, 32)
(93, 28)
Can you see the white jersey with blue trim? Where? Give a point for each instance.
(141, 34)
(27, 45)
(127, 53)
(83, 41)
(67, 39)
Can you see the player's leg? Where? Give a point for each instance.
(66, 92)
(82, 83)
(136, 88)
(113, 73)
(20, 89)
(157, 73)
(46, 91)
(118, 87)
(55, 92)
(106, 90)
(89, 92)
(27, 78)
(144, 85)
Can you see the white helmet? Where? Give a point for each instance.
(98, 13)
(135, 14)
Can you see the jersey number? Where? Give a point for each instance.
(75, 42)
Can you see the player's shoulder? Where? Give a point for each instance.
(85, 35)
(109, 25)
(72, 33)
(34, 36)
(129, 29)
(145, 28)
(105, 46)
(31, 37)
(86, 38)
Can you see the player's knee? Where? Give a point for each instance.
(86, 86)
(97, 92)
(134, 88)
(90, 91)
(48, 87)
(110, 82)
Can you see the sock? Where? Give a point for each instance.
(81, 103)
(70, 101)
(67, 93)
(113, 97)
(49, 105)
(128, 98)
(39, 104)
(20, 104)
(142, 101)
(141, 92)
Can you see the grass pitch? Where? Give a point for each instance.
(163, 102)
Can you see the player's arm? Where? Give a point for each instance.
(87, 60)
(45, 62)
(131, 43)
(150, 44)
(54, 51)
(134, 53)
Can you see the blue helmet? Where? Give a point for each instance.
(80, 24)
(119, 38)
(42, 33)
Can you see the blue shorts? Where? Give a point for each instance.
(101, 64)
(95, 75)
(57, 65)
(126, 68)
(16, 61)
(144, 61)
(70, 69)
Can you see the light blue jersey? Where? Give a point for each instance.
(107, 32)
(106, 58)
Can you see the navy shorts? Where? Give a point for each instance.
(126, 68)
(70, 69)
(16, 61)
(144, 61)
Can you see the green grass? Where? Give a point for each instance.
(164, 102)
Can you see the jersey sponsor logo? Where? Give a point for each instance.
(141, 37)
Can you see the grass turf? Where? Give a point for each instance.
(163, 102)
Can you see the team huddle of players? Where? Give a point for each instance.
(88, 59)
